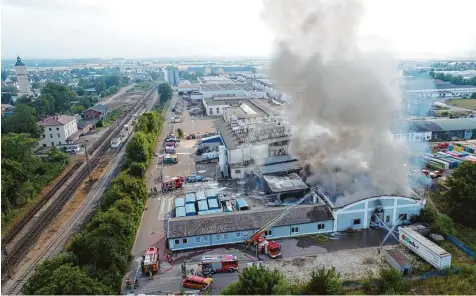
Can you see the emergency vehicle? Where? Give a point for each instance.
(173, 183)
(219, 263)
(150, 260)
(196, 282)
(269, 247)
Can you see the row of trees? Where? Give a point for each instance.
(96, 259)
(457, 80)
(23, 174)
(165, 92)
(260, 280)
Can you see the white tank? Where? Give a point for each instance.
(222, 159)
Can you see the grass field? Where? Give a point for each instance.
(463, 103)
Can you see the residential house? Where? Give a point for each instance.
(58, 130)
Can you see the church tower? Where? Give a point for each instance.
(22, 76)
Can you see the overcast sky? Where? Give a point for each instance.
(199, 28)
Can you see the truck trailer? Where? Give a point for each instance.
(423, 247)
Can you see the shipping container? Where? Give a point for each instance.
(200, 195)
(202, 205)
(426, 249)
(213, 203)
(241, 204)
(190, 197)
(179, 202)
(397, 260)
(190, 210)
(209, 212)
(180, 212)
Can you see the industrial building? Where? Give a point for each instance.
(321, 216)
(172, 74)
(436, 129)
(241, 107)
(249, 139)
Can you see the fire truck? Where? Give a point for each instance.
(173, 183)
(219, 263)
(150, 261)
(272, 248)
(268, 247)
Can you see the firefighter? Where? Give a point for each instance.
(192, 271)
(136, 283)
(128, 282)
(150, 274)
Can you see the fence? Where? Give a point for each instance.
(461, 246)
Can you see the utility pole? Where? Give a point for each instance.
(87, 161)
(5, 253)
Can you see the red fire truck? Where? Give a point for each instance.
(173, 183)
(219, 263)
(269, 247)
(150, 260)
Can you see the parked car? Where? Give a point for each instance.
(196, 282)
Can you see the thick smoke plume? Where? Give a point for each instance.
(344, 101)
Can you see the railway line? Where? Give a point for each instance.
(23, 243)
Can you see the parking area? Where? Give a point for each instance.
(352, 254)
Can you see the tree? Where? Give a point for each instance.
(80, 91)
(17, 147)
(473, 95)
(71, 280)
(180, 133)
(100, 86)
(7, 93)
(258, 281)
(461, 197)
(154, 76)
(36, 85)
(23, 120)
(137, 149)
(165, 92)
(44, 105)
(324, 282)
(61, 95)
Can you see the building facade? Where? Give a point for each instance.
(22, 77)
(58, 130)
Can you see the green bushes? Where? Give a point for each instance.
(98, 256)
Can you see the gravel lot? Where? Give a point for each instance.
(351, 264)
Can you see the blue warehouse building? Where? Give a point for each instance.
(235, 227)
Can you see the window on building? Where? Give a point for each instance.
(51, 136)
(218, 110)
(177, 242)
(321, 226)
(387, 219)
(211, 111)
(184, 241)
(218, 237)
(402, 217)
(57, 128)
(295, 229)
(238, 234)
(356, 221)
(268, 233)
(225, 236)
(43, 135)
(205, 238)
(52, 144)
(59, 136)
(59, 143)
(197, 239)
(237, 171)
(49, 129)
(44, 145)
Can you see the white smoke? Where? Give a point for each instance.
(344, 101)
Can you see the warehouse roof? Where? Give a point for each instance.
(225, 86)
(274, 160)
(455, 124)
(290, 182)
(245, 220)
(231, 141)
(435, 125)
(280, 167)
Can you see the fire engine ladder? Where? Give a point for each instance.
(278, 218)
(383, 225)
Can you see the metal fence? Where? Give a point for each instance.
(461, 246)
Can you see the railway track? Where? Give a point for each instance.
(97, 150)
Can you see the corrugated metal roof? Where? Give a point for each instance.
(455, 124)
(245, 220)
(285, 183)
(280, 167)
